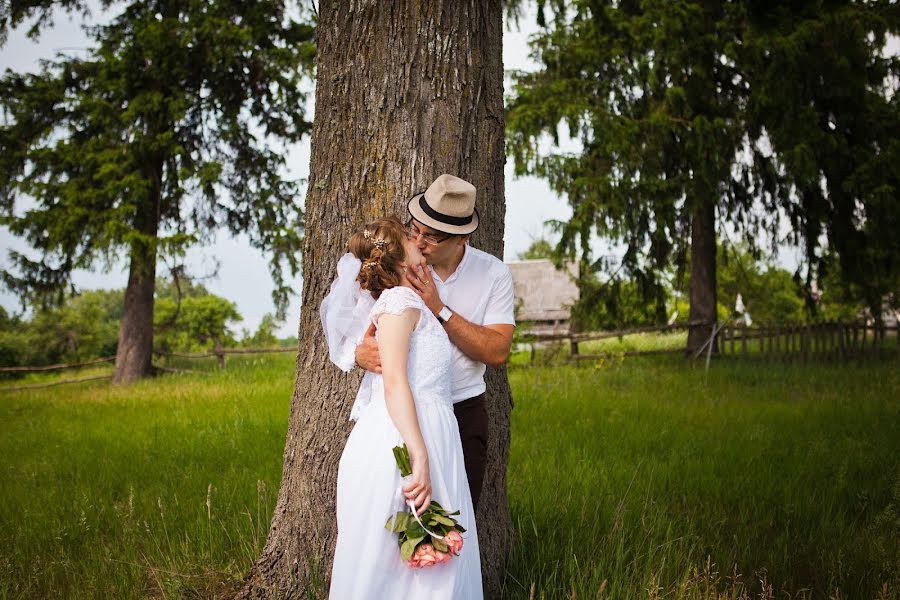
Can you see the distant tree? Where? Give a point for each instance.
(168, 130)
(11, 343)
(613, 304)
(264, 336)
(769, 293)
(83, 327)
(539, 248)
(196, 323)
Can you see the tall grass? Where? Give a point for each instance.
(158, 489)
(635, 478)
(649, 475)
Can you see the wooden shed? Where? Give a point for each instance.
(544, 295)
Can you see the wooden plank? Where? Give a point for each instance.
(56, 367)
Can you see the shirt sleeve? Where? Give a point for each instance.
(502, 301)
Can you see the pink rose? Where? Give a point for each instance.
(454, 541)
(441, 557)
(424, 556)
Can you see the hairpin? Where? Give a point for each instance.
(371, 264)
(366, 234)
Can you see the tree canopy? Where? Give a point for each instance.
(750, 110)
(164, 133)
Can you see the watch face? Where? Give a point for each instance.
(445, 314)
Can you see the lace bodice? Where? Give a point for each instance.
(428, 364)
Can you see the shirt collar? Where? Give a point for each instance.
(459, 267)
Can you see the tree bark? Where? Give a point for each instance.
(703, 314)
(135, 347)
(405, 91)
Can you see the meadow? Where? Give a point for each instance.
(634, 478)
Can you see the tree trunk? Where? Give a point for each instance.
(405, 92)
(703, 313)
(135, 347)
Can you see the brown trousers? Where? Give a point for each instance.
(471, 415)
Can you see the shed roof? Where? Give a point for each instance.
(542, 292)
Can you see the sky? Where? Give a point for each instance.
(243, 272)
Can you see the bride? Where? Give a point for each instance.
(409, 402)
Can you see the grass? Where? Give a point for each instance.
(635, 478)
(630, 476)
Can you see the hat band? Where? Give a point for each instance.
(446, 219)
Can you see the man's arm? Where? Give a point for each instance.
(489, 344)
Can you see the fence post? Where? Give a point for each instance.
(573, 346)
(841, 350)
(220, 356)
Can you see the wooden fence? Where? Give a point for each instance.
(788, 342)
(219, 353)
(829, 340)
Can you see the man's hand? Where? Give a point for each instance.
(421, 280)
(367, 355)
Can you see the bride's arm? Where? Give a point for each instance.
(393, 345)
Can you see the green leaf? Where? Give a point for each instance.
(439, 545)
(407, 549)
(414, 530)
(444, 521)
(397, 523)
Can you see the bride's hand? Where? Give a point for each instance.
(419, 490)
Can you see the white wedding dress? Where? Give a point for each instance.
(367, 562)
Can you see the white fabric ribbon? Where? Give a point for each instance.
(412, 508)
(344, 313)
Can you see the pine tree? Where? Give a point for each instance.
(684, 123)
(165, 132)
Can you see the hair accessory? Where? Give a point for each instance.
(377, 242)
(370, 264)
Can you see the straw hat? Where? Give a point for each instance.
(448, 206)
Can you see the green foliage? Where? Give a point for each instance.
(762, 109)
(645, 90)
(770, 294)
(825, 90)
(168, 130)
(196, 323)
(264, 336)
(539, 248)
(615, 304)
(84, 327)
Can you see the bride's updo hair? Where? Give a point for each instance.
(379, 245)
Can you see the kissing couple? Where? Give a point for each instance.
(423, 313)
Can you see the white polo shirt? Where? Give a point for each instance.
(480, 290)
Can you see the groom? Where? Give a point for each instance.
(471, 294)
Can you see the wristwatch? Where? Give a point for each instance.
(444, 315)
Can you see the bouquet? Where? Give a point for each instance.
(430, 539)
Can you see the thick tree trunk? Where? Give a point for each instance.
(134, 351)
(703, 276)
(405, 91)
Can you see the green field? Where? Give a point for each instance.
(634, 478)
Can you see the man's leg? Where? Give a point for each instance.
(472, 417)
